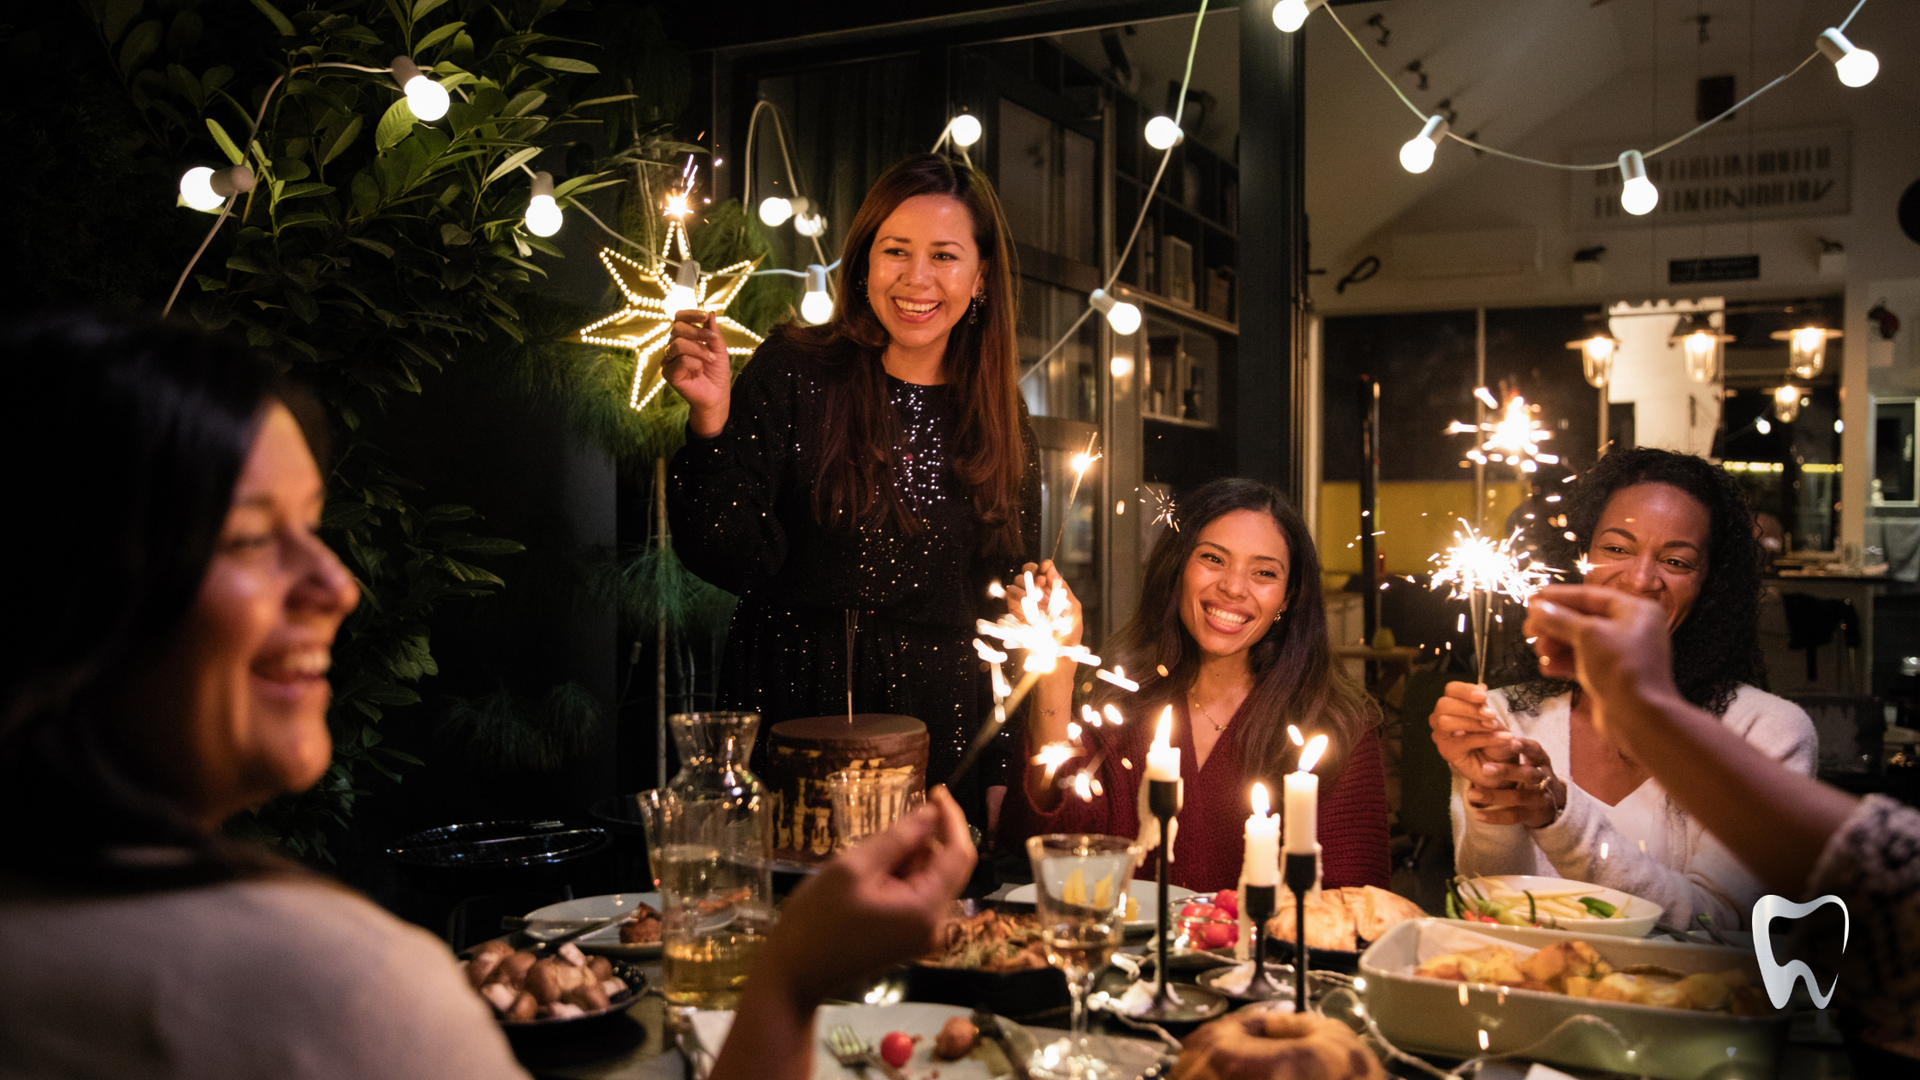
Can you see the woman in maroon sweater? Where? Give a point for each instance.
(1232, 633)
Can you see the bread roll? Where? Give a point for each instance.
(1329, 921)
(1268, 1043)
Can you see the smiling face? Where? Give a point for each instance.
(1235, 583)
(923, 270)
(234, 709)
(1652, 541)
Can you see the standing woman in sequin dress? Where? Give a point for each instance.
(880, 463)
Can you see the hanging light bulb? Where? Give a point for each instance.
(1291, 15)
(204, 189)
(1638, 195)
(816, 307)
(682, 297)
(1596, 355)
(426, 99)
(1806, 348)
(1855, 65)
(775, 211)
(1122, 316)
(1416, 155)
(806, 220)
(1761, 425)
(965, 129)
(1162, 132)
(543, 214)
(1786, 403)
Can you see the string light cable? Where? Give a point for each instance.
(1857, 67)
(1131, 313)
(775, 210)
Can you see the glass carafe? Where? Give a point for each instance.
(710, 859)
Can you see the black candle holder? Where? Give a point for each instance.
(1163, 801)
(1300, 872)
(1259, 902)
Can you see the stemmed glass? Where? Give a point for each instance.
(1081, 882)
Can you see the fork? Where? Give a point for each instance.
(852, 1052)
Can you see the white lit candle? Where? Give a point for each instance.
(1303, 799)
(1163, 758)
(1262, 863)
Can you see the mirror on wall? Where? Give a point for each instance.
(1893, 465)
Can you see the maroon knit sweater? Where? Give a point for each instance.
(1211, 840)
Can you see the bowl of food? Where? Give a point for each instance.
(1550, 904)
(531, 989)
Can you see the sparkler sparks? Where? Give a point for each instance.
(1514, 438)
(1162, 507)
(1080, 463)
(1479, 570)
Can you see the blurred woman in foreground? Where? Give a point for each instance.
(180, 611)
(1803, 838)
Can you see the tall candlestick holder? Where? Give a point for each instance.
(1299, 873)
(1188, 1002)
(1163, 801)
(1259, 902)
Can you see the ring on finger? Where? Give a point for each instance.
(1541, 784)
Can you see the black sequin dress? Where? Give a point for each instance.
(740, 507)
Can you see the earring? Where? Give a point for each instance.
(973, 309)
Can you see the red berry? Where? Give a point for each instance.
(1228, 901)
(895, 1049)
(1219, 935)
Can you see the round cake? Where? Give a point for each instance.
(803, 753)
(1279, 1045)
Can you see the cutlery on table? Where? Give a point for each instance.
(850, 1051)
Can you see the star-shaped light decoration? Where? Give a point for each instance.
(645, 323)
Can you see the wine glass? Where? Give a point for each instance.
(1081, 886)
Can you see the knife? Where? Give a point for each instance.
(989, 1026)
(553, 944)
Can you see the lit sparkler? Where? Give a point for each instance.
(679, 200)
(1080, 462)
(1162, 508)
(1479, 570)
(1514, 438)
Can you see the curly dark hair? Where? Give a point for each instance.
(1717, 647)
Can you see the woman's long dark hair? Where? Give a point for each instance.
(128, 437)
(856, 465)
(1717, 647)
(1296, 680)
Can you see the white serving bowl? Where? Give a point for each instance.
(1640, 917)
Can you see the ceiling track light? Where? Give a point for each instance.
(208, 189)
(1416, 155)
(543, 216)
(816, 306)
(1291, 15)
(426, 99)
(1121, 315)
(1855, 65)
(1638, 196)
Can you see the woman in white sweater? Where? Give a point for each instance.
(1538, 788)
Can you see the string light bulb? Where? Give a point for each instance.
(1416, 155)
(816, 307)
(1761, 425)
(965, 129)
(682, 297)
(1638, 196)
(1786, 404)
(1855, 65)
(205, 189)
(1806, 348)
(1291, 15)
(426, 99)
(1122, 316)
(774, 211)
(543, 214)
(1163, 133)
(806, 220)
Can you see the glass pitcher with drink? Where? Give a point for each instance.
(708, 835)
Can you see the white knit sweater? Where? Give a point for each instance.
(1652, 848)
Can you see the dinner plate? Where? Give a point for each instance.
(872, 1023)
(1637, 922)
(604, 942)
(1145, 895)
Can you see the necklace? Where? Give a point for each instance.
(1217, 726)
